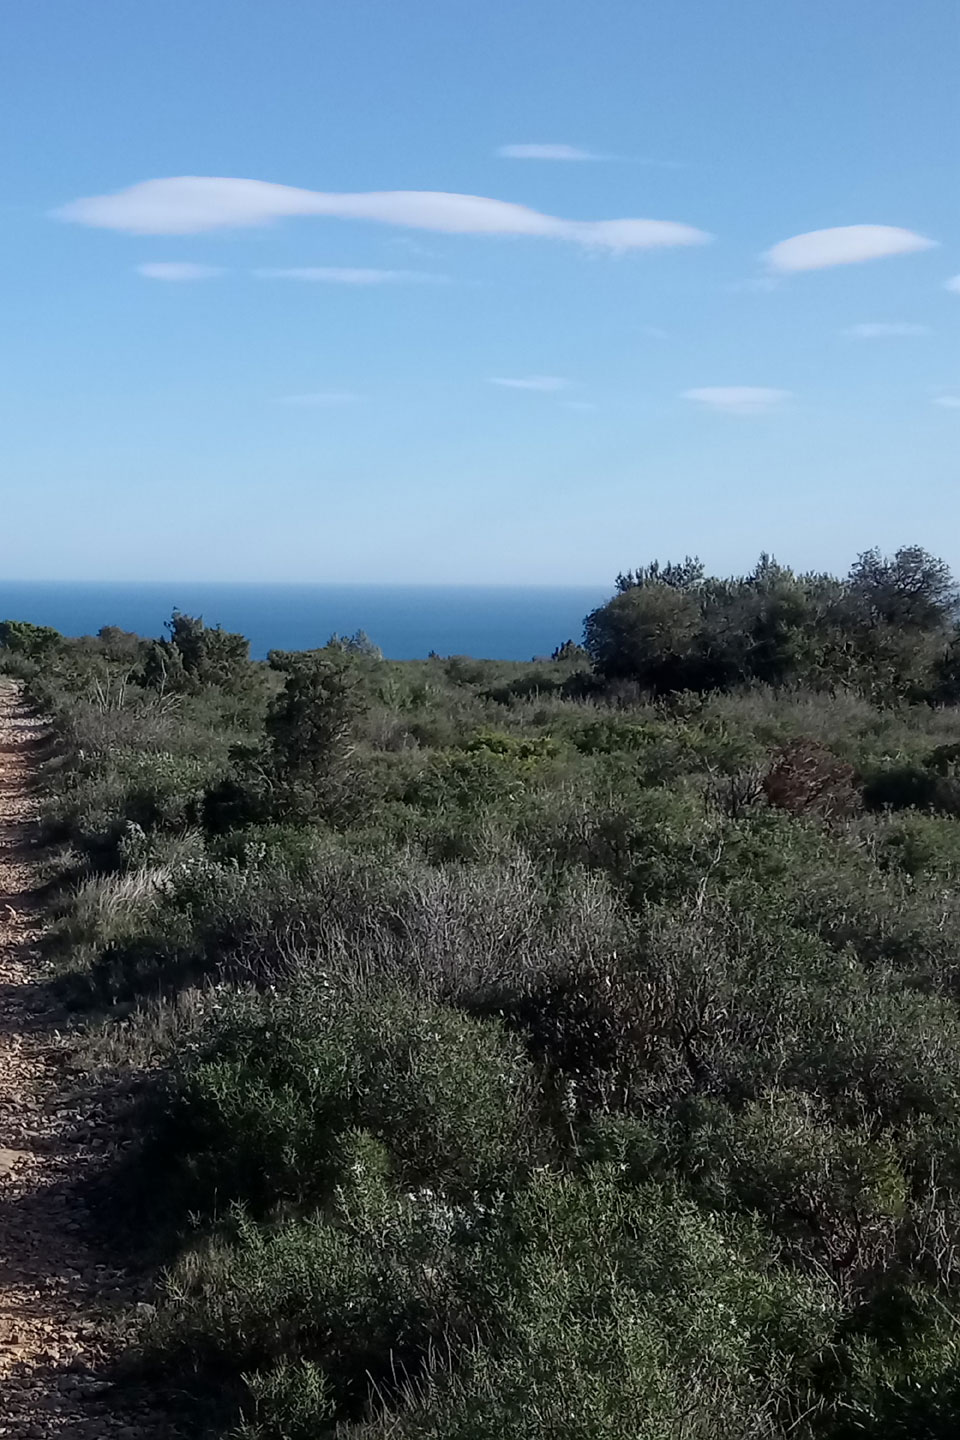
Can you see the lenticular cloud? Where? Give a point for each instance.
(844, 245)
(190, 204)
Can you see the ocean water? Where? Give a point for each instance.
(406, 621)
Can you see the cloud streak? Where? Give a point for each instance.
(949, 402)
(545, 384)
(882, 331)
(192, 204)
(843, 245)
(953, 284)
(577, 153)
(177, 271)
(737, 399)
(548, 152)
(343, 275)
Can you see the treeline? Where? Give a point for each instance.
(550, 1051)
(889, 628)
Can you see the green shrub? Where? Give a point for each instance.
(573, 1336)
(100, 802)
(651, 842)
(30, 642)
(197, 655)
(922, 845)
(288, 1077)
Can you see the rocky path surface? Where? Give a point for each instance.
(58, 1288)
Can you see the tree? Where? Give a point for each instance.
(688, 574)
(768, 625)
(196, 655)
(210, 655)
(913, 590)
(648, 632)
(359, 643)
(891, 628)
(119, 644)
(902, 616)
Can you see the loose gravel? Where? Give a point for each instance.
(61, 1292)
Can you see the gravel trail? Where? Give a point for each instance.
(58, 1289)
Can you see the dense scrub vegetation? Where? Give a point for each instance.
(562, 1049)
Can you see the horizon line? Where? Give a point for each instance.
(356, 584)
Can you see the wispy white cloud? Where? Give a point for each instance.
(189, 204)
(576, 153)
(321, 398)
(949, 402)
(177, 270)
(548, 152)
(584, 405)
(882, 330)
(544, 383)
(341, 275)
(843, 245)
(738, 399)
(953, 284)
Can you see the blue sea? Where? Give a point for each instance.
(406, 621)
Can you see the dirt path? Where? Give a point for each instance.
(57, 1287)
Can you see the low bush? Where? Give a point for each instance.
(673, 1316)
(267, 1110)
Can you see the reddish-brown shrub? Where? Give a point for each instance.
(805, 777)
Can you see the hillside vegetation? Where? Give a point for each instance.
(563, 1049)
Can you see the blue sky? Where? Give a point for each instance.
(298, 378)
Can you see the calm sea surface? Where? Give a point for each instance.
(406, 621)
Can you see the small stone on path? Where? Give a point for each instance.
(9, 1160)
